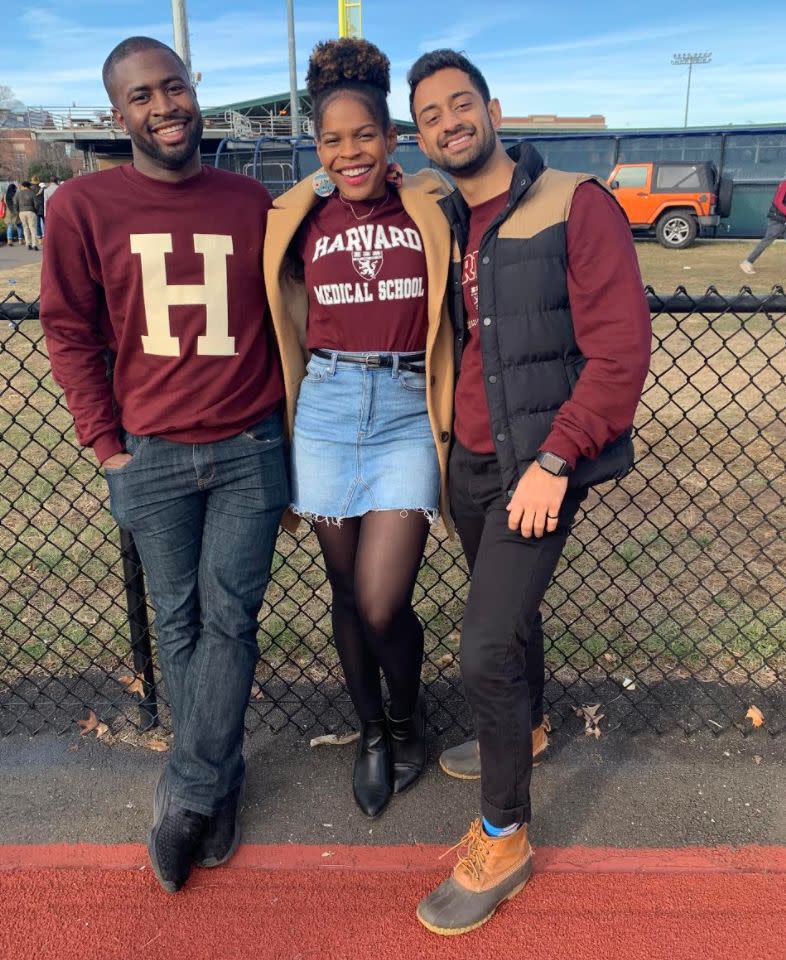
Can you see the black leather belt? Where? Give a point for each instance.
(413, 362)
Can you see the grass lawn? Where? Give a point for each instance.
(706, 263)
(710, 263)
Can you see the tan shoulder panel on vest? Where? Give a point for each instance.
(545, 204)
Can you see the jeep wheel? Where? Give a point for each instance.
(676, 230)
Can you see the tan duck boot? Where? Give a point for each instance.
(490, 871)
(463, 761)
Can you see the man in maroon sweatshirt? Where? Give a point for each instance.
(552, 336)
(157, 264)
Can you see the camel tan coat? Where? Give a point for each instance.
(288, 302)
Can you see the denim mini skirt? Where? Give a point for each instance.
(362, 441)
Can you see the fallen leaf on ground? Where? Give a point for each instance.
(101, 730)
(589, 714)
(156, 743)
(257, 693)
(134, 684)
(445, 660)
(757, 759)
(755, 716)
(88, 725)
(335, 739)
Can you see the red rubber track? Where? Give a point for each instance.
(358, 903)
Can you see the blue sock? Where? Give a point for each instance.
(493, 831)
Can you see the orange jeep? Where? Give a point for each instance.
(675, 199)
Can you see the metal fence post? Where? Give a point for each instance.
(136, 600)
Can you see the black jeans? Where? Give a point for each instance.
(502, 658)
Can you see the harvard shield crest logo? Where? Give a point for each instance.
(367, 263)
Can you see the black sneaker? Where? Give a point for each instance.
(222, 833)
(175, 836)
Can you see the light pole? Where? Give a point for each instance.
(294, 109)
(180, 30)
(679, 60)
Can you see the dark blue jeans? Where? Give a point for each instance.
(205, 517)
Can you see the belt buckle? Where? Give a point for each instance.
(373, 360)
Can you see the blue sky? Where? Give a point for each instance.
(571, 57)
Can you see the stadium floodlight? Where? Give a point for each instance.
(689, 59)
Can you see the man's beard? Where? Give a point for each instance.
(174, 158)
(469, 165)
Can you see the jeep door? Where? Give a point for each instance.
(631, 185)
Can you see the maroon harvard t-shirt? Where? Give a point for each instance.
(365, 274)
(473, 427)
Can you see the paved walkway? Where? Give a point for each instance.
(17, 256)
(621, 790)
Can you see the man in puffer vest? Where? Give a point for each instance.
(552, 334)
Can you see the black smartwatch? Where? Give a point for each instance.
(553, 464)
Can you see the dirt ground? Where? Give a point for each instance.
(706, 263)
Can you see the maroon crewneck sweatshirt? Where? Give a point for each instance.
(168, 277)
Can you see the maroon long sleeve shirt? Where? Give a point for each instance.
(611, 323)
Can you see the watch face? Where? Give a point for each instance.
(552, 463)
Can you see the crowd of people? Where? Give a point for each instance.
(24, 210)
(369, 352)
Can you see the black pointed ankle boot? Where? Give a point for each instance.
(372, 780)
(408, 746)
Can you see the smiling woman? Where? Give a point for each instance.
(367, 248)
(154, 101)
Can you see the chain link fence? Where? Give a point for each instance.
(667, 608)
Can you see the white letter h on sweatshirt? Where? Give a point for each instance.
(159, 295)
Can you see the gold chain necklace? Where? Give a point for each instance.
(366, 215)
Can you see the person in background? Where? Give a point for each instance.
(25, 206)
(38, 190)
(776, 228)
(13, 226)
(49, 192)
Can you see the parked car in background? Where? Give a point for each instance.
(674, 200)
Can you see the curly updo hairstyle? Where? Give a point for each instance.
(349, 65)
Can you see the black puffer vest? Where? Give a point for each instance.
(531, 361)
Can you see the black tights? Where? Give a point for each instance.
(372, 563)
